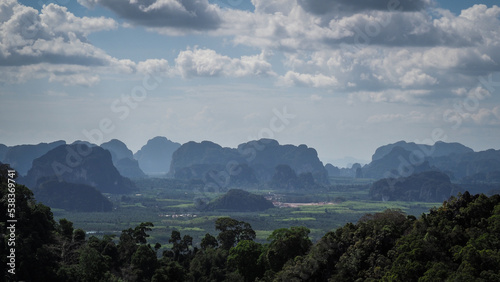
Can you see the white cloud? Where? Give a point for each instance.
(484, 117)
(477, 92)
(206, 62)
(390, 96)
(52, 43)
(63, 22)
(416, 77)
(154, 66)
(304, 79)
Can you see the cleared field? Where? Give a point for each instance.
(172, 208)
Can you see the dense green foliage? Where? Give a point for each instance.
(458, 241)
(285, 178)
(72, 197)
(429, 186)
(240, 200)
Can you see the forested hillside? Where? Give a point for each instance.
(457, 241)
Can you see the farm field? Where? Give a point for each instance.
(170, 205)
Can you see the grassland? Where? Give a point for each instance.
(170, 205)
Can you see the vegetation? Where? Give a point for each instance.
(240, 200)
(457, 241)
(72, 197)
(429, 186)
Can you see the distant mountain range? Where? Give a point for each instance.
(156, 155)
(109, 167)
(21, 157)
(402, 159)
(79, 164)
(123, 159)
(211, 162)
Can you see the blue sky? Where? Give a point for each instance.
(348, 76)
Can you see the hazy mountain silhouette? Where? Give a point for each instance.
(429, 186)
(194, 160)
(79, 164)
(438, 149)
(334, 171)
(3, 150)
(455, 159)
(21, 157)
(118, 149)
(469, 164)
(156, 155)
(123, 159)
(395, 164)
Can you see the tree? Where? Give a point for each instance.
(286, 244)
(245, 257)
(180, 247)
(144, 262)
(169, 271)
(36, 237)
(209, 265)
(65, 228)
(129, 239)
(232, 231)
(208, 241)
(93, 265)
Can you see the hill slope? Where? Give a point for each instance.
(79, 164)
(21, 157)
(156, 155)
(195, 160)
(72, 197)
(123, 159)
(240, 201)
(429, 186)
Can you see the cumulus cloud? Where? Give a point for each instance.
(168, 16)
(154, 66)
(390, 96)
(304, 79)
(52, 43)
(206, 62)
(483, 116)
(392, 51)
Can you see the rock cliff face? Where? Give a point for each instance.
(156, 155)
(456, 160)
(118, 150)
(397, 163)
(21, 157)
(123, 159)
(194, 160)
(78, 164)
(437, 150)
(429, 186)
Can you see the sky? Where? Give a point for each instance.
(341, 76)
